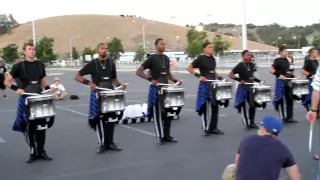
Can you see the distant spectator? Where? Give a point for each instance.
(59, 92)
(16, 60)
(3, 74)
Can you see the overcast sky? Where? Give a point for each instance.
(260, 12)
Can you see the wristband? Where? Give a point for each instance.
(149, 79)
(47, 87)
(197, 75)
(85, 81)
(14, 87)
(276, 73)
(237, 79)
(175, 81)
(119, 85)
(220, 78)
(313, 110)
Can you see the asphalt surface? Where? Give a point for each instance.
(73, 145)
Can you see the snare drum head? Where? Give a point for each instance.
(112, 93)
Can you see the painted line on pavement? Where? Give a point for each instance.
(125, 126)
(2, 140)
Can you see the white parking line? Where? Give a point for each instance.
(125, 126)
(2, 140)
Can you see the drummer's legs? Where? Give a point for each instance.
(204, 118)
(214, 120)
(157, 119)
(41, 139)
(167, 129)
(252, 113)
(30, 139)
(109, 134)
(281, 109)
(244, 115)
(289, 108)
(100, 131)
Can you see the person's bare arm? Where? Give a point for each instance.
(304, 72)
(191, 70)
(8, 81)
(272, 70)
(44, 82)
(116, 82)
(140, 72)
(293, 172)
(170, 77)
(315, 99)
(231, 75)
(79, 78)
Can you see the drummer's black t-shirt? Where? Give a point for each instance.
(157, 64)
(245, 71)
(206, 64)
(311, 66)
(97, 72)
(282, 66)
(27, 71)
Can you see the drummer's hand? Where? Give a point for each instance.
(203, 79)
(312, 77)
(92, 85)
(282, 77)
(123, 86)
(20, 92)
(179, 82)
(243, 82)
(154, 82)
(311, 116)
(224, 79)
(298, 77)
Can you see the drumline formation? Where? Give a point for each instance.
(165, 100)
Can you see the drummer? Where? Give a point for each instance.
(207, 66)
(281, 69)
(309, 69)
(103, 74)
(32, 75)
(159, 64)
(245, 70)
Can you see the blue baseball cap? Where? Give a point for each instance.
(272, 124)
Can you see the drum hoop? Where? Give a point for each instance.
(299, 81)
(110, 93)
(40, 97)
(173, 89)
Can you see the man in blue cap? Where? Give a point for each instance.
(262, 156)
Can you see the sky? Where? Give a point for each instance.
(259, 12)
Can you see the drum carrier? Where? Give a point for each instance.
(299, 88)
(261, 93)
(112, 103)
(40, 106)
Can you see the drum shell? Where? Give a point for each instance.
(173, 97)
(224, 90)
(112, 101)
(40, 107)
(299, 87)
(261, 93)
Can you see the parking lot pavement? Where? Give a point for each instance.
(73, 144)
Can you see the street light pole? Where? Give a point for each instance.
(70, 45)
(244, 27)
(33, 33)
(144, 34)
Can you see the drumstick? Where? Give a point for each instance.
(119, 87)
(31, 94)
(45, 91)
(106, 89)
(310, 137)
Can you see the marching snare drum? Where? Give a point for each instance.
(261, 93)
(223, 90)
(40, 106)
(299, 87)
(112, 101)
(173, 97)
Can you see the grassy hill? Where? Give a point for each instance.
(94, 29)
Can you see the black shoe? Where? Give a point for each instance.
(248, 127)
(160, 141)
(290, 120)
(44, 156)
(32, 158)
(101, 149)
(254, 126)
(114, 147)
(206, 133)
(217, 131)
(170, 139)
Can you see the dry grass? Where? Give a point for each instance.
(94, 29)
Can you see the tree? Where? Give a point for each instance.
(9, 52)
(7, 22)
(115, 48)
(75, 54)
(219, 45)
(88, 51)
(140, 54)
(44, 49)
(316, 41)
(195, 39)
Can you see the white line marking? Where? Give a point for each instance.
(192, 110)
(2, 140)
(125, 126)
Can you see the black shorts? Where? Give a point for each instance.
(2, 86)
